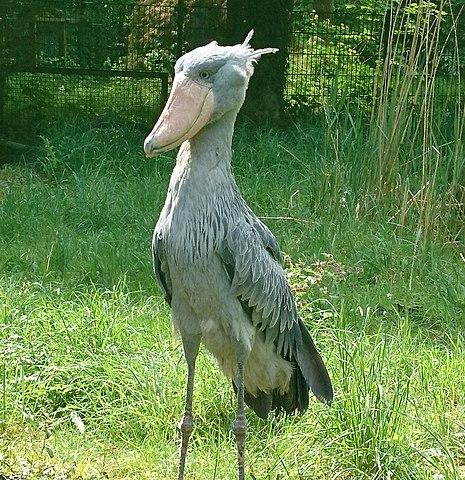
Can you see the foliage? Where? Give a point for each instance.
(330, 61)
(339, 59)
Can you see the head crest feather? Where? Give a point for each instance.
(249, 36)
(256, 54)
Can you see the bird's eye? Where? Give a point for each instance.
(204, 75)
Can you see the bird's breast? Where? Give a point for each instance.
(194, 224)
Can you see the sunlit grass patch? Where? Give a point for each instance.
(92, 382)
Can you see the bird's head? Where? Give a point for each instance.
(209, 82)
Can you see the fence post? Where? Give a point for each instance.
(181, 13)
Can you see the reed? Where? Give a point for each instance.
(418, 147)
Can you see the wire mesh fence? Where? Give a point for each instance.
(329, 60)
(39, 98)
(343, 58)
(84, 57)
(97, 57)
(87, 34)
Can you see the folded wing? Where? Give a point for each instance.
(252, 259)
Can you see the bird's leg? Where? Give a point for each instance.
(191, 349)
(240, 422)
(185, 425)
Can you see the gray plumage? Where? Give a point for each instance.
(219, 266)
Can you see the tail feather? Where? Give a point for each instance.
(295, 399)
(313, 369)
(309, 373)
(261, 404)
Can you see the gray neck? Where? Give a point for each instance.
(202, 193)
(210, 149)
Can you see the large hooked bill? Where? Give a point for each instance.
(188, 109)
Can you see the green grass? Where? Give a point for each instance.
(92, 383)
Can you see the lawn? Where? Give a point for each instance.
(92, 381)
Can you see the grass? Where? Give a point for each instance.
(91, 381)
(370, 216)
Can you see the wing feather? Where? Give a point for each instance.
(160, 268)
(252, 253)
(252, 257)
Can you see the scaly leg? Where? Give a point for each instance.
(191, 349)
(240, 423)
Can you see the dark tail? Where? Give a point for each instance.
(309, 374)
(295, 399)
(313, 369)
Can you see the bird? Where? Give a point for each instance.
(220, 268)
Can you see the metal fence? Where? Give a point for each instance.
(106, 59)
(102, 58)
(341, 59)
(330, 60)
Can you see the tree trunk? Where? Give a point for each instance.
(271, 21)
(324, 9)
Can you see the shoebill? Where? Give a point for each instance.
(219, 266)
